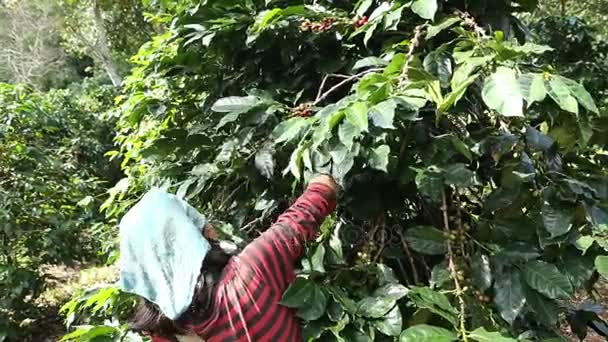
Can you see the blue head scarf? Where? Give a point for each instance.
(161, 251)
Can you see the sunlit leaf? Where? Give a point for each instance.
(427, 333)
(425, 8)
(482, 335)
(502, 92)
(560, 93)
(235, 104)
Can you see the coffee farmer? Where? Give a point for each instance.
(191, 290)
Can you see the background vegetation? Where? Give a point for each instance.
(469, 137)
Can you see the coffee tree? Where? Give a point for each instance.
(52, 171)
(474, 184)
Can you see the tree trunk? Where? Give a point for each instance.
(563, 7)
(103, 48)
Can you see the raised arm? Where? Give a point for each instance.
(274, 254)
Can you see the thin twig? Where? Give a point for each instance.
(249, 225)
(382, 241)
(410, 258)
(460, 226)
(322, 96)
(452, 268)
(232, 193)
(321, 87)
(403, 272)
(410, 53)
(469, 21)
(339, 75)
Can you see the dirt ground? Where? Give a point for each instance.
(63, 283)
(592, 336)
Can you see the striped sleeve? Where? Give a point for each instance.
(273, 254)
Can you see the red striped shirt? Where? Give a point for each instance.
(246, 306)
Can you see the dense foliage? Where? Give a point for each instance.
(52, 174)
(472, 159)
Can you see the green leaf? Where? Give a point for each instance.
(460, 146)
(557, 221)
(392, 291)
(502, 92)
(313, 330)
(339, 171)
(352, 333)
(439, 63)
(356, 114)
(426, 240)
(296, 163)
(385, 274)
(457, 93)
(335, 311)
(457, 174)
(393, 18)
(578, 270)
(433, 92)
(90, 333)
(537, 139)
(378, 158)
(383, 114)
(547, 279)
(317, 259)
(482, 335)
(235, 104)
(581, 94)
(375, 307)
(481, 273)
(601, 265)
(427, 333)
(440, 275)
(369, 32)
(430, 184)
(297, 293)
(264, 18)
(511, 253)
(228, 118)
(264, 162)
(466, 68)
(529, 48)
(289, 129)
(339, 153)
(396, 65)
(391, 324)
(341, 297)
(546, 310)
(434, 30)
(369, 62)
(426, 9)
(307, 297)
(363, 7)
(347, 132)
(584, 242)
(380, 11)
(598, 217)
(560, 93)
(315, 305)
(533, 88)
(433, 301)
(335, 245)
(509, 295)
